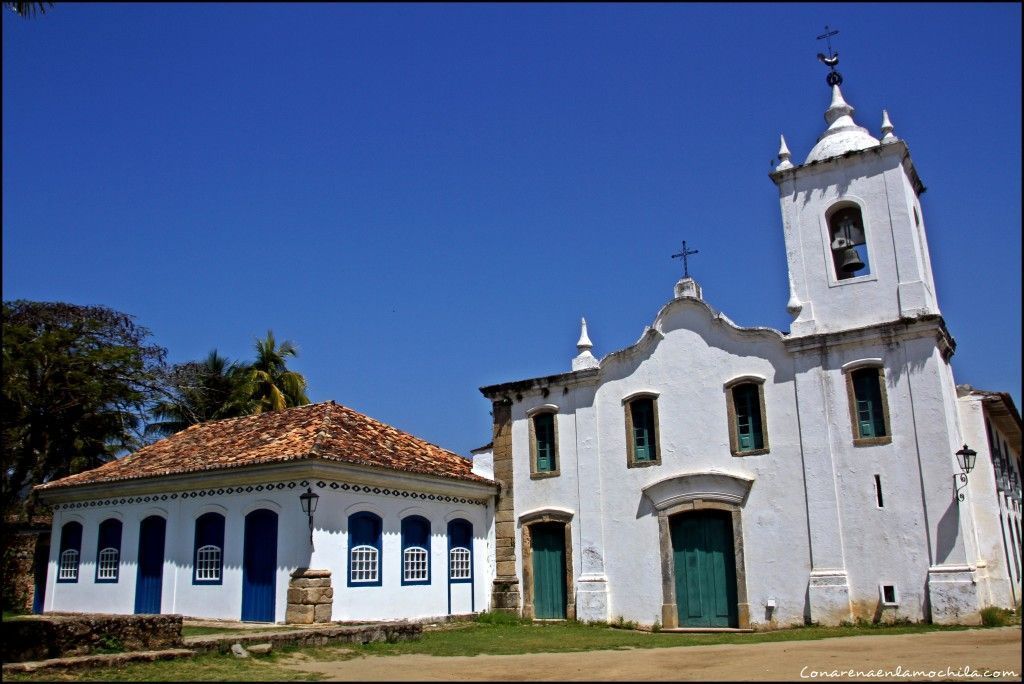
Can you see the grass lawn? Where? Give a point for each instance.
(498, 637)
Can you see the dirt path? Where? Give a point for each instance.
(991, 649)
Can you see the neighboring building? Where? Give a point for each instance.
(209, 523)
(712, 475)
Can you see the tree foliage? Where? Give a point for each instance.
(273, 386)
(28, 9)
(198, 391)
(77, 381)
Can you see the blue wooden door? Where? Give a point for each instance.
(40, 563)
(548, 544)
(259, 566)
(150, 577)
(705, 569)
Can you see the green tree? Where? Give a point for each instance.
(76, 384)
(272, 386)
(198, 391)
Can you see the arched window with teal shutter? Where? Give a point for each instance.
(642, 446)
(748, 418)
(544, 434)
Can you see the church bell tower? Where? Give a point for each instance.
(854, 229)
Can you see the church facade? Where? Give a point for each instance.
(716, 476)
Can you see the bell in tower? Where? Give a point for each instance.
(847, 233)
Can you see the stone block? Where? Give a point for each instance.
(506, 567)
(239, 651)
(504, 529)
(505, 516)
(306, 582)
(311, 573)
(260, 649)
(322, 613)
(298, 614)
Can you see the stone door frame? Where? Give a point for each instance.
(526, 522)
(699, 491)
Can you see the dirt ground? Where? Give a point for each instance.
(960, 652)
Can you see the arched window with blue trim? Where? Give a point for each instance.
(70, 552)
(460, 551)
(208, 550)
(415, 550)
(364, 549)
(108, 551)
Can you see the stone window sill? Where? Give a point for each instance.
(543, 475)
(872, 441)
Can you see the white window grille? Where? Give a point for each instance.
(68, 565)
(108, 564)
(363, 564)
(459, 563)
(208, 563)
(415, 564)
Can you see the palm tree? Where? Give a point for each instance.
(273, 386)
(28, 9)
(211, 389)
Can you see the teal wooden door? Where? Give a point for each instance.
(705, 568)
(548, 544)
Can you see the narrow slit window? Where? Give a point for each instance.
(878, 491)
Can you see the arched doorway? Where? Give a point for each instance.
(150, 576)
(705, 568)
(259, 566)
(547, 565)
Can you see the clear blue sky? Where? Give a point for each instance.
(427, 198)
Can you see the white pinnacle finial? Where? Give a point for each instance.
(584, 359)
(784, 155)
(887, 136)
(584, 342)
(839, 107)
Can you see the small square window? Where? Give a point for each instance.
(889, 596)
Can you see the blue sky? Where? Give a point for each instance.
(426, 198)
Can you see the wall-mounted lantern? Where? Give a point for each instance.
(308, 500)
(965, 457)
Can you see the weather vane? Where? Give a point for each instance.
(683, 255)
(834, 78)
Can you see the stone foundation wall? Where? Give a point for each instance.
(19, 548)
(57, 636)
(310, 597)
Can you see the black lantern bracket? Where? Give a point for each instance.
(966, 458)
(308, 500)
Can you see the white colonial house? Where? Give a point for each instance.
(211, 522)
(716, 476)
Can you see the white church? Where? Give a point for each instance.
(709, 476)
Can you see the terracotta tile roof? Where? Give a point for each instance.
(327, 431)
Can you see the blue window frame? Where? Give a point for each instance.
(364, 549)
(70, 552)
(108, 552)
(460, 551)
(415, 550)
(208, 550)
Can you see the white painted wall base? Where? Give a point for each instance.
(953, 594)
(829, 593)
(592, 598)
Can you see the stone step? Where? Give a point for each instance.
(97, 660)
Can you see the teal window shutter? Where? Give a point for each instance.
(642, 412)
(544, 433)
(868, 399)
(749, 431)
